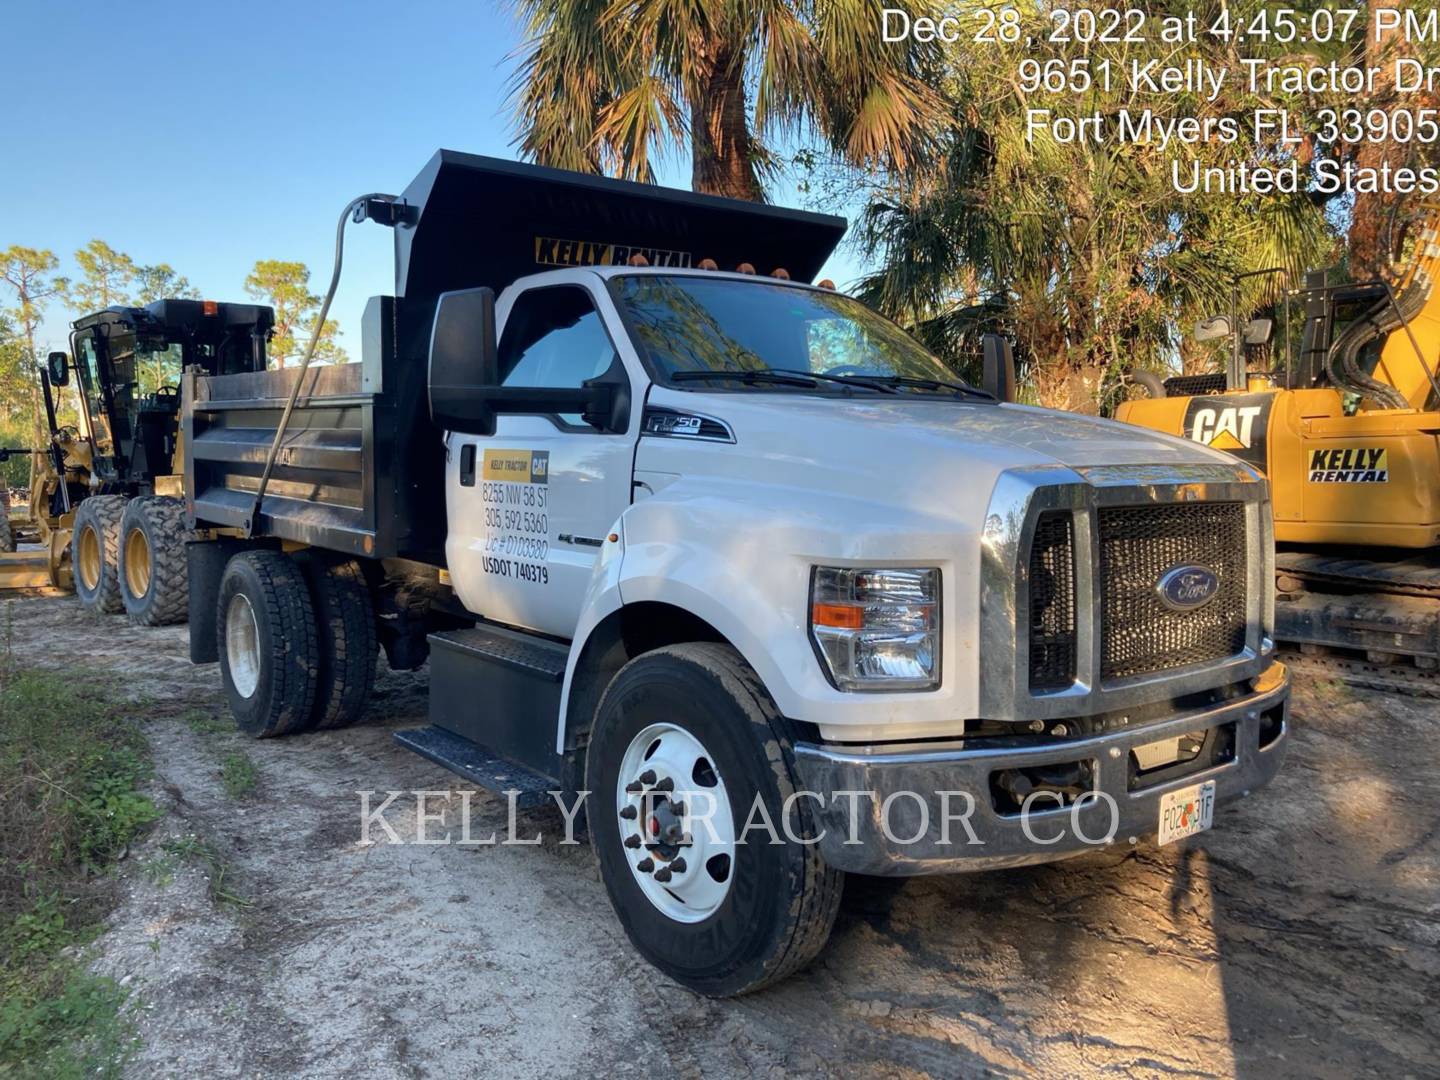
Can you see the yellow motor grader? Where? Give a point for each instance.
(107, 512)
(1348, 433)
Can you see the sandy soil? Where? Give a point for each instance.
(1301, 937)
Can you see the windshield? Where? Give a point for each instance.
(692, 325)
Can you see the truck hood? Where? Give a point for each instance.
(906, 460)
(878, 436)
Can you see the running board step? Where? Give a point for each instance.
(499, 689)
(479, 766)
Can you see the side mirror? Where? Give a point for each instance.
(1259, 331)
(998, 376)
(58, 365)
(465, 390)
(1213, 328)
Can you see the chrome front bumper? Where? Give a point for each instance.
(871, 802)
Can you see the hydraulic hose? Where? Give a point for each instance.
(355, 209)
(1152, 383)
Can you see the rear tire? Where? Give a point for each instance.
(269, 653)
(345, 618)
(153, 573)
(780, 900)
(95, 553)
(7, 534)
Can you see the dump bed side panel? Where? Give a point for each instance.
(360, 469)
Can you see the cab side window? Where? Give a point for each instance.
(554, 337)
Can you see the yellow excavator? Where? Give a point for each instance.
(1348, 432)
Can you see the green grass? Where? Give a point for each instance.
(192, 848)
(205, 723)
(71, 766)
(237, 773)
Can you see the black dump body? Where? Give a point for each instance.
(361, 467)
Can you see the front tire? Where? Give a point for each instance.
(95, 553)
(269, 654)
(153, 571)
(699, 708)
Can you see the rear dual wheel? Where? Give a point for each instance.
(296, 641)
(152, 562)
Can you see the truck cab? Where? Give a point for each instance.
(697, 545)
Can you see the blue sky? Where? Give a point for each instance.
(212, 135)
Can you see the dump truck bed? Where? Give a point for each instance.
(360, 468)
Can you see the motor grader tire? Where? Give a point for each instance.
(345, 618)
(153, 574)
(7, 534)
(269, 653)
(95, 553)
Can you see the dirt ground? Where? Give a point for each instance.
(1300, 937)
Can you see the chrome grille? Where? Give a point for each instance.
(1138, 544)
(1052, 602)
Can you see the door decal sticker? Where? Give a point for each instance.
(516, 495)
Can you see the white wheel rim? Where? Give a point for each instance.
(242, 645)
(683, 862)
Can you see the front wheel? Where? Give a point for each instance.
(95, 553)
(687, 745)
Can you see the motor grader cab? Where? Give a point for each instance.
(127, 537)
(1347, 429)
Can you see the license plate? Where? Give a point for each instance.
(1187, 811)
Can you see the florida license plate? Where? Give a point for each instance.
(1187, 811)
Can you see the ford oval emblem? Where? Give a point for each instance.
(1185, 588)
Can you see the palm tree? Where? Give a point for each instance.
(603, 85)
(1086, 252)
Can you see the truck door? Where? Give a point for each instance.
(530, 506)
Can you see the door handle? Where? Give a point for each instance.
(467, 465)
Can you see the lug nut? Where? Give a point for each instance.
(648, 776)
(634, 788)
(645, 865)
(677, 865)
(632, 841)
(665, 785)
(628, 813)
(677, 808)
(663, 874)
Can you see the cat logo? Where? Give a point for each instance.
(1353, 465)
(1236, 423)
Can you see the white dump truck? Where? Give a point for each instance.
(722, 548)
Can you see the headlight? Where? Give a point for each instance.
(877, 629)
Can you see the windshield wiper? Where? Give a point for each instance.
(749, 377)
(865, 382)
(913, 383)
(796, 377)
